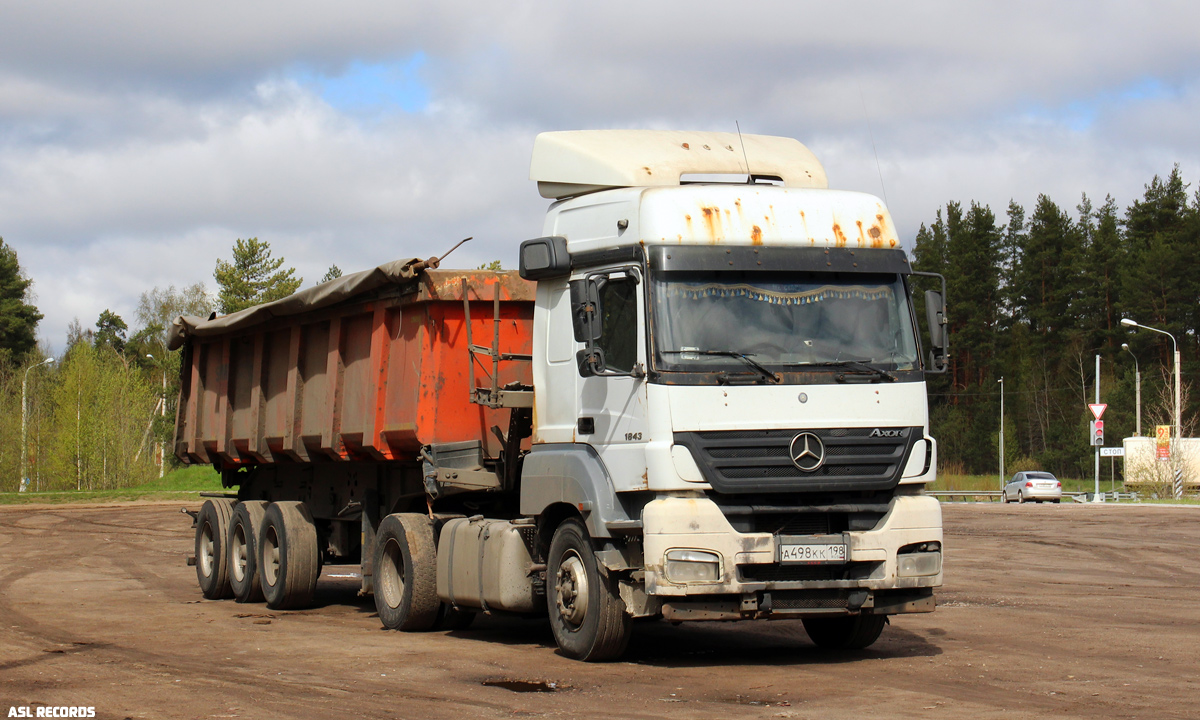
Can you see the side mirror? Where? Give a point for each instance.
(585, 310)
(935, 313)
(545, 257)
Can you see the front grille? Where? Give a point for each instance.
(746, 461)
(809, 600)
(791, 573)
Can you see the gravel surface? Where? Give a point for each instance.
(1048, 611)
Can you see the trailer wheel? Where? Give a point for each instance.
(587, 614)
(406, 573)
(287, 555)
(244, 573)
(212, 558)
(853, 632)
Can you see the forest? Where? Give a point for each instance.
(1033, 297)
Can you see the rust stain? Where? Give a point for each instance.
(687, 147)
(756, 235)
(838, 236)
(648, 172)
(862, 238)
(712, 219)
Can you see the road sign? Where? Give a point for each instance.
(1112, 452)
(1098, 409)
(1162, 442)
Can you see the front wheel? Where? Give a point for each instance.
(853, 632)
(1004, 497)
(587, 614)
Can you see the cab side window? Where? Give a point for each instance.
(618, 323)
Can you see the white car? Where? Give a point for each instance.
(1032, 486)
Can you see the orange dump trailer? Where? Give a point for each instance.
(376, 376)
(403, 389)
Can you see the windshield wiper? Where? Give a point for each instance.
(767, 374)
(862, 367)
(859, 367)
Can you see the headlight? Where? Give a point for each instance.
(919, 564)
(692, 566)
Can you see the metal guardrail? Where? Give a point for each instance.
(1076, 496)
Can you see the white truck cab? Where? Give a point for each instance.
(729, 389)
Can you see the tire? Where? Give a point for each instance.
(1020, 497)
(406, 573)
(287, 555)
(587, 614)
(244, 575)
(853, 632)
(1003, 497)
(212, 558)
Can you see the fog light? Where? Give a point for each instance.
(692, 566)
(919, 564)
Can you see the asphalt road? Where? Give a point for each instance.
(1048, 611)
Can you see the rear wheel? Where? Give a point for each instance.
(243, 550)
(1020, 497)
(212, 557)
(587, 614)
(406, 573)
(287, 555)
(853, 632)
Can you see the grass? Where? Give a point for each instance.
(182, 484)
(956, 482)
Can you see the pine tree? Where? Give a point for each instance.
(254, 277)
(18, 318)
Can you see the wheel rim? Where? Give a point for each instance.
(208, 556)
(391, 574)
(270, 549)
(571, 587)
(237, 553)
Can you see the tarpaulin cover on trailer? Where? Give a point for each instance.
(322, 295)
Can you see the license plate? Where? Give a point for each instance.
(813, 553)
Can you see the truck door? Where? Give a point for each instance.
(613, 404)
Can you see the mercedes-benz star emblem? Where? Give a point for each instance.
(807, 452)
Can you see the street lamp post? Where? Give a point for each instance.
(162, 448)
(1178, 414)
(24, 484)
(1178, 421)
(1137, 374)
(1001, 381)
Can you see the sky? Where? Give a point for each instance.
(139, 139)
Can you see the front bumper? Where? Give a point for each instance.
(751, 582)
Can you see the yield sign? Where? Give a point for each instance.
(1097, 409)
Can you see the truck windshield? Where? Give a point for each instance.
(785, 321)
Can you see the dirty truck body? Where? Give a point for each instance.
(705, 401)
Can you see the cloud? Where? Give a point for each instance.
(138, 140)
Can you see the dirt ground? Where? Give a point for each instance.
(1048, 611)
